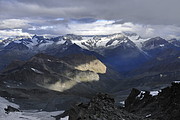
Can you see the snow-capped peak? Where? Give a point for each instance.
(108, 41)
(87, 42)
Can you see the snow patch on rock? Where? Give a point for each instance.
(36, 71)
(154, 93)
(141, 95)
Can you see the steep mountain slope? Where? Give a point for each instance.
(85, 63)
(78, 75)
(154, 46)
(57, 74)
(33, 84)
(156, 73)
(162, 67)
(16, 46)
(8, 55)
(118, 50)
(125, 57)
(163, 105)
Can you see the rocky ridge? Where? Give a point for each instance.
(101, 107)
(163, 105)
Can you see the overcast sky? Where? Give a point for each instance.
(90, 17)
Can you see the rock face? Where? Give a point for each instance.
(164, 106)
(101, 107)
(37, 82)
(154, 43)
(58, 74)
(83, 62)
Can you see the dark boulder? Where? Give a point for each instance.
(11, 109)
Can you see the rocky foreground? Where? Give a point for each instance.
(139, 105)
(164, 106)
(100, 107)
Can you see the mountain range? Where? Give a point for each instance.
(53, 73)
(122, 51)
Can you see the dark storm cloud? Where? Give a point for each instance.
(139, 11)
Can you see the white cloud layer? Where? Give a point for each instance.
(107, 27)
(96, 27)
(148, 18)
(13, 23)
(12, 33)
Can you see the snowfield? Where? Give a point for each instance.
(26, 114)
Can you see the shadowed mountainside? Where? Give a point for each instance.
(30, 81)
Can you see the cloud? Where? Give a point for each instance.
(13, 23)
(92, 17)
(15, 9)
(138, 11)
(83, 26)
(103, 27)
(12, 33)
(100, 27)
(165, 31)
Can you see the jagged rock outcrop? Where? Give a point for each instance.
(101, 107)
(164, 106)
